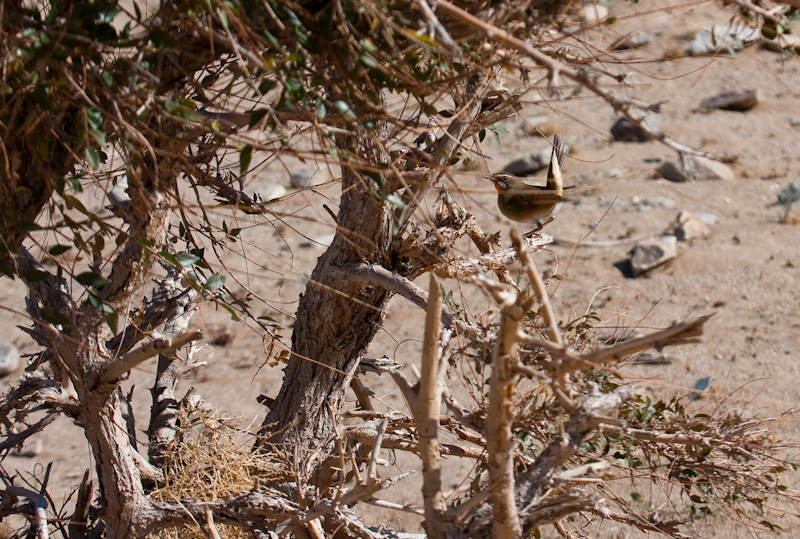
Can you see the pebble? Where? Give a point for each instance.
(713, 39)
(9, 358)
(633, 41)
(652, 252)
(593, 13)
(782, 43)
(697, 168)
(740, 101)
(533, 162)
(688, 227)
(625, 130)
(270, 192)
(301, 178)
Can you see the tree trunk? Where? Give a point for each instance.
(336, 318)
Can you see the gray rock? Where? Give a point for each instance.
(652, 202)
(270, 192)
(593, 13)
(532, 125)
(118, 196)
(301, 178)
(697, 168)
(688, 227)
(651, 253)
(9, 358)
(625, 130)
(783, 43)
(533, 162)
(715, 38)
(739, 101)
(633, 41)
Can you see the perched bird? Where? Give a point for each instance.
(532, 203)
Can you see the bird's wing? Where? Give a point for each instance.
(554, 177)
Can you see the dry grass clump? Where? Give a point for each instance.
(210, 461)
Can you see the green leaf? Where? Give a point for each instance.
(321, 109)
(34, 275)
(108, 79)
(244, 159)
(256, 117)
(395, 201)
(93, 157)
(187, 259)
(59, 249)
(234, 316)
(112, 320)
(214, 282)
(90, 278)
(344, 108)
(54, 317)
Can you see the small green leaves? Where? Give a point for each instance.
(245, 155)
(344, 108)
(34, 275)
(214, 282)
(187, 259)
(92, 279)
(54, 317)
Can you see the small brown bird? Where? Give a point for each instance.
(532, 203)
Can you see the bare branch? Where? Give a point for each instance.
(114, 371)
(39, 504)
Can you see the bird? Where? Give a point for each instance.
(532, 203)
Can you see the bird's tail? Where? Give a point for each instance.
(554, 177)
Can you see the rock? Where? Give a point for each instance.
(593, 13)
(739, 101)
(715, 38)
(222, 336)
(533, 125)
(651, 253)
(625, 130)
(783, 42)
(118, 196)
(9, 358)
(318, 241)
(633, 41)
(301, 178)
(533, 162)
(697, 168)
(688, 227)
(653, 202)
(270, 192)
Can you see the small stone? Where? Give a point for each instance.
(270, 192)
(533, 162)
(708, 218)
(718, 37)
(9, 358)
(593, 13)
(301, 178)
(221, 336)
(783, 42)
(739, 101)
(651, 253)
(533, 125)
(688, 227)
(319, 241)
(697, 168)
(632, 41)
(653, 202)
(625, 130)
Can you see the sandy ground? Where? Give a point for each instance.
(747, 272)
